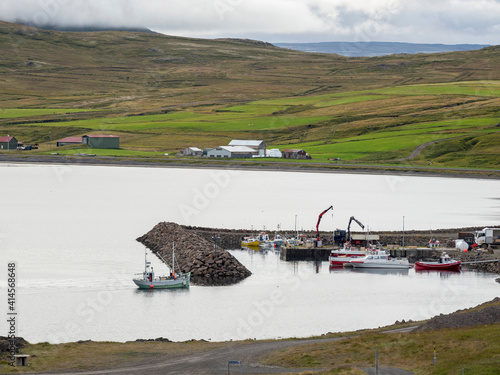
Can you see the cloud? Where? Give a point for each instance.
(429, 21)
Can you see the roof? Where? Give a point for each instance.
(293, 150)
(6, 139)
(101, 136)
(194, 149)
(71, 140)
(238, 142)
(238, 149)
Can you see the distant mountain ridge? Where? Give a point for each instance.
(371, 49)
(86, 28)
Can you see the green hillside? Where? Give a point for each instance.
(161, 94)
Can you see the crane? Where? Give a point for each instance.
(349, 228)
(319, 219)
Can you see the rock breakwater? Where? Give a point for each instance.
(194, 254)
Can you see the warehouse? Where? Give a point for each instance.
(231, 152)
(259, 146)
(101, 141)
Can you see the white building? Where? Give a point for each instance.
(231, 152)
(191, 151)
(260, 146)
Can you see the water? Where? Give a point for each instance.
(71, 231)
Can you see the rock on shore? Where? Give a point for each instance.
(194, 254)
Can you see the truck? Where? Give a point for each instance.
(488, 237)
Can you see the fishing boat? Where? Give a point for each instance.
(379, 259)
(150, 281)
(250, 241)
(338, 257)
(444, 263)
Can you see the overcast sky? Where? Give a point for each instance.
(417, 21)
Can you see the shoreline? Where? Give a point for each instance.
(253, 165)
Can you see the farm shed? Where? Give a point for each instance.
(69, 141)
(8, 143)
(191, 151)
(101, 141)
(295, 154)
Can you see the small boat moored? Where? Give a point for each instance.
(444, 263)
(379, 259)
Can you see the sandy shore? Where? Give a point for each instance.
(257, 165)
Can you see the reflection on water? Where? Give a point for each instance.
(379, 271)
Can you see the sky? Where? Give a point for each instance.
(414, 21)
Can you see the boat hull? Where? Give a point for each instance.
(452, 266)
(387, 266)
(181, 282)
(250, 243)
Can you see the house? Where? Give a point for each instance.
(101, 141)
(191, 151)
(260, 146)
(69, 141)
(295, 154)
(8, 143)
(231, 152)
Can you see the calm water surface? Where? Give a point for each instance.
(71, 231)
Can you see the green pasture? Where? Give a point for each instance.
(9, 113)
(383, 136)
(211, 122)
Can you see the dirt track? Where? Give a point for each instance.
(214, 361)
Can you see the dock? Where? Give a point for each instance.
(291, 253)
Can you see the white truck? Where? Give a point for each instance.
(488, 236)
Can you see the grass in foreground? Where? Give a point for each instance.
(475, 350)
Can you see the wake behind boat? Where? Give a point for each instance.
(150, 281)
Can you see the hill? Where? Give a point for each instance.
(162, 93)
(370, 49)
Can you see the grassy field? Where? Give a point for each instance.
(476, 350)
(161, 94)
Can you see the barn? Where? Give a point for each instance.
(101, 141)
(8, 143)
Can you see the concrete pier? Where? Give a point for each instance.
(288, 253)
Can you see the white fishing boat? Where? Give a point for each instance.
(379, 259)
(150, 281)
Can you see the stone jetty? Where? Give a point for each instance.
(195, 254)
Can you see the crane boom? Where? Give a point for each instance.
(349, 227)
(319, 219)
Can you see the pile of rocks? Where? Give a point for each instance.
(194, 254)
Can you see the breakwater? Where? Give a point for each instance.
(195, 254)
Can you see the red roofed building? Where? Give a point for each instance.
(101, 141)
(8, 143)
(295, 154)
(69, 141)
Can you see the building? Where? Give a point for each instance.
(295, 154)
(101, 141)
(191, 151)
(260, 146)
(69, 141)
(231, 152)
(8, 143)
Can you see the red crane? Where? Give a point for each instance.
(319, 219)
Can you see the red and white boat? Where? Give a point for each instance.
(339, 257)
(445, 263)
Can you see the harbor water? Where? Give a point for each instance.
(71, 232)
